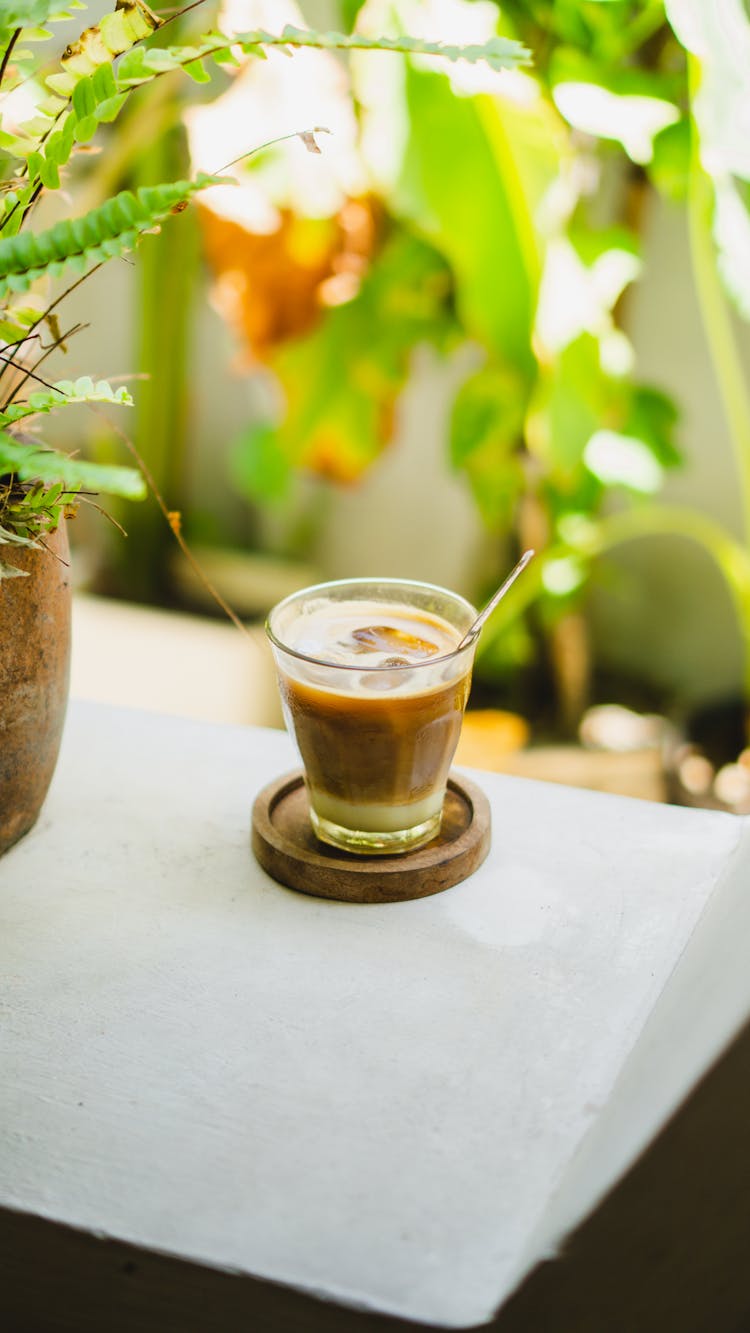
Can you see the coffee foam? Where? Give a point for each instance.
(362, 634)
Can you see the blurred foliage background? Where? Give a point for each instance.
(494, 219)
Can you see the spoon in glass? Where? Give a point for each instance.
(475, 629)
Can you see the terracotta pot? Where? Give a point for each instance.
(34, 673)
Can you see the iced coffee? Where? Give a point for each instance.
(374, 687)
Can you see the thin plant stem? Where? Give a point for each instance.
(180, 13)
(45, 314)
(270, 143)
(31, 373)
(173, 521)
(8, 52)
(54, 304)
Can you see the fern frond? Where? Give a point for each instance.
(87, 92)
(23, 14)
(49, 466)
(83, 95)
(111, 229)
(97, 46)
(140, 64)
(65, 393)
(498, 52)
(28, 511)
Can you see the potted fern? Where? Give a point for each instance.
(104, 66)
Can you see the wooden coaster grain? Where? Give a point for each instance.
(286, 847)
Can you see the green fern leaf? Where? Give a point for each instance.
(196, 70)
(109, 230)
(23, 14)
(65, 393)
(15, 323)
(140, 65)
(498, 52)
(86, 81)
(32, 463)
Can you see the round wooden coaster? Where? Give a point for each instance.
(286, 847)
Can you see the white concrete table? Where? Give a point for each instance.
(220, 1092)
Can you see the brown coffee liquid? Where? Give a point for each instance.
(383, 748)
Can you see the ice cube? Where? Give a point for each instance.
(385, 638)
(387, 680)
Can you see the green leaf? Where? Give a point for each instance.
(486, 432)
(258, 466)
(572, 399)
(670, 165)
(197, 71)
(652, 417)
(350, 12)
(106, 231)
(336, 423)
(460, 184)
(489, 405)
(15, 322)
(103, 85)
(496, 476)
(84, 97)
(110, 109)
(49, 174)
(498, 52)
(31, 463)
(35, 35)
(96, 47)
(58, 147)
(66, 393)
(24, 14)
(85, 129)
(140, 65)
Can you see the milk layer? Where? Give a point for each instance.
(376, 817)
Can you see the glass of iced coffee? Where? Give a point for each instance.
(373, 688)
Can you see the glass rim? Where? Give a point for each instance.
(420, 585)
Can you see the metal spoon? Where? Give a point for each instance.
(474, 630)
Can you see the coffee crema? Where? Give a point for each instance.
(369, 634)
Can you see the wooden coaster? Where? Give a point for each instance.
(286, 847)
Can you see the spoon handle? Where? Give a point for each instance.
(484, 615)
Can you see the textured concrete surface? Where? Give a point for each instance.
(372, 1103)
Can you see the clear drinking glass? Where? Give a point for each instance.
(376, 741)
